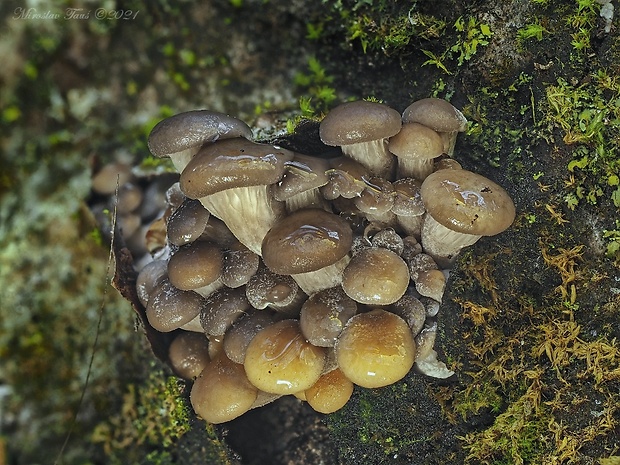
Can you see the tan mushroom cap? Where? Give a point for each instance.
(330, 393)
(375, 276)
(435, 113)
(416, 141)
(192, 129)
(189, 354)
(467, 202)
(375, 349)
(306, 240)
(359, 121)
(279, 360)
(324, 314)
(170, 308)
(222, 392)
(196, 265)
(187, 223)
(233, 163)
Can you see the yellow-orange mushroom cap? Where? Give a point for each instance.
(222, 392)
(375, 349)
(330, 393)
(279, 360)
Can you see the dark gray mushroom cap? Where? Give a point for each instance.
(221, 309)
(437, 114)
(192, 129)
(467, 202)
(302, 174)
(233, 163)
(189, 354)
(195, 265)
(170, 308)
(324, 314)
(187, 222)
(359, 121)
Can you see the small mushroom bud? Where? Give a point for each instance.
(324, 315)
(376, 200)
(300, 184)
(170, 308)
(149, 278)
(276, 291)
(388, 239)
(375, 276)
(197, 267)
(375, 349)
(346, 179)
(242, 331)
(187, 222)
(189, 354)
(431, 284)
(279, 359)
(330, 393)
(408, 206)
(412, 311)
(240, 264)
(221, 309)
(108, 177)
(129, 198)
(222, 392)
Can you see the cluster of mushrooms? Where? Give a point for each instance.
(283, 273)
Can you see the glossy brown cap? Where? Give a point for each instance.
(233, 163)
(192, 129)
(360, 121)
(307, 240)
(437, 114)
(467, 202)
(195, 265)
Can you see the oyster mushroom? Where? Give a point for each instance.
(361, 130)
(375, 349)
(312, 245)
(181, 136)
(232, 179)
(222, 392)
(375, 276)
(440, 116)
(461, 207)
(280, 361)
(416, 146)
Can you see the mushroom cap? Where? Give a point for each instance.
(149, 278)
(324, 314)
(375, 349)
(330, 393)
(233, 163)
(221, 309)
(306, 240)
(280, 360)
(375, 276)
(170, 308)
(360, 121)
(467, 202)
(189, 354)
(195, 265)
(187, 222)
(243, 330)
(407, 198)
(437, 114)
(240, 264)
(192, 129)
(302, 174)
(222, 392)
(416, 141)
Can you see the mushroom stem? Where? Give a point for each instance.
(249, 212)
(329, 276)
(418, 168)
(442, 243)
(374, 155)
